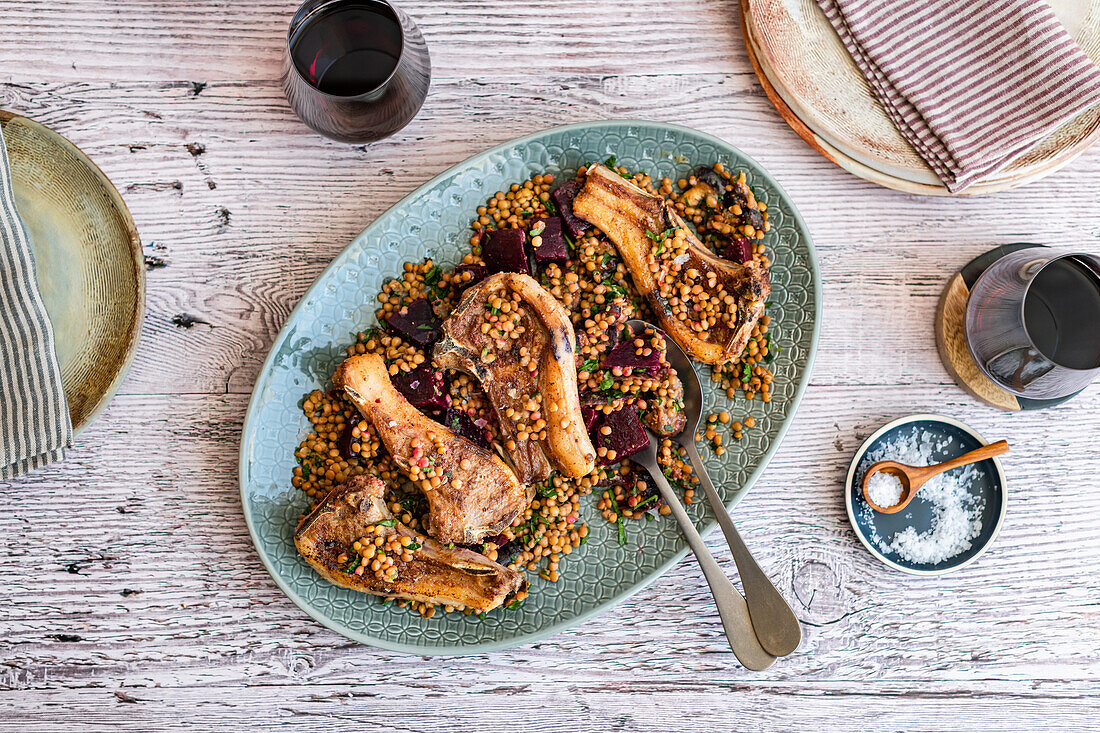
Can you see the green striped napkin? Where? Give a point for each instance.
(34, 416)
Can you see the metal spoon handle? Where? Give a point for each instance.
(731, 606)
(776, 626)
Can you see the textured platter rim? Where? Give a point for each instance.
(445, 649)
(133, 336)
(865, 446)
(864, 165)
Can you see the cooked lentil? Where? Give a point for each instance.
(595, 286)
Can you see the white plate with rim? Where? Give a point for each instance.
(817, 88)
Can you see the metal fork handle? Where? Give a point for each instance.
(776, 626)
(731, 605)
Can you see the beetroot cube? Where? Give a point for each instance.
(417, 323)
(563, 197)
(505, 250)
(423, 387)
(739, 250)
(591, 415)
(346, 439)
(476, 270)
(460, 423)
(553, 247)
(627, 435)
(624, 355)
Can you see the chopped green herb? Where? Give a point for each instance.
(610, 162)
(606, 382)
(590, 365)
(386, 523)
(424, 327)
(353, 564)
(514, 605)
(369, 334)
(662, 236)
(412, 546)
(773, 350)
(640, 504)
(613, 289)
(431, 277)
(622, 531)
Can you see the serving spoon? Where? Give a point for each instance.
(773, 621)
(732, 608)
(914, 477)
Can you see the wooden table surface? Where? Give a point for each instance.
(132, 598)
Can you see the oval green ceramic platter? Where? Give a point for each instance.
(434, 221)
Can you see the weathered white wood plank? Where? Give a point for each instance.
(478, 704)
(133, 597)
(240, 255)
(209, 40)
(144, 574)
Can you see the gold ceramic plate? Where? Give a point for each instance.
(88, 261)
(817, 88)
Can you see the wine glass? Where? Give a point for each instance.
(355, 70)
(1032, 322)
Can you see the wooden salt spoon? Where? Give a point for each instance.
(913, 477)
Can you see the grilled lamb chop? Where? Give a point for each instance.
(709, 305)
(517, 340)
(471, 492)
(435, 574)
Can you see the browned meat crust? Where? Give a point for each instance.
(626, 213)
(436, 574)
(474, 493)
(537, 369)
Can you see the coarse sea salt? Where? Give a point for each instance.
(956, 513)
(884, 489)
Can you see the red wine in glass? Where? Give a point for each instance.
(355, 70)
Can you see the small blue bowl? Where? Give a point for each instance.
(875, 530)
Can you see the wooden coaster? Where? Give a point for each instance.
(951, 337)
(951, 342)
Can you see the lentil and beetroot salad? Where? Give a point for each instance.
(623, 377)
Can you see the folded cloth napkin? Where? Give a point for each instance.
(34, 416)
(971, 85)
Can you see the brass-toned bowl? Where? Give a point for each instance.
(88, 261)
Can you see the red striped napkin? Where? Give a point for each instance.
(971, 85)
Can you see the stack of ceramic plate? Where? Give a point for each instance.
(817, 88)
